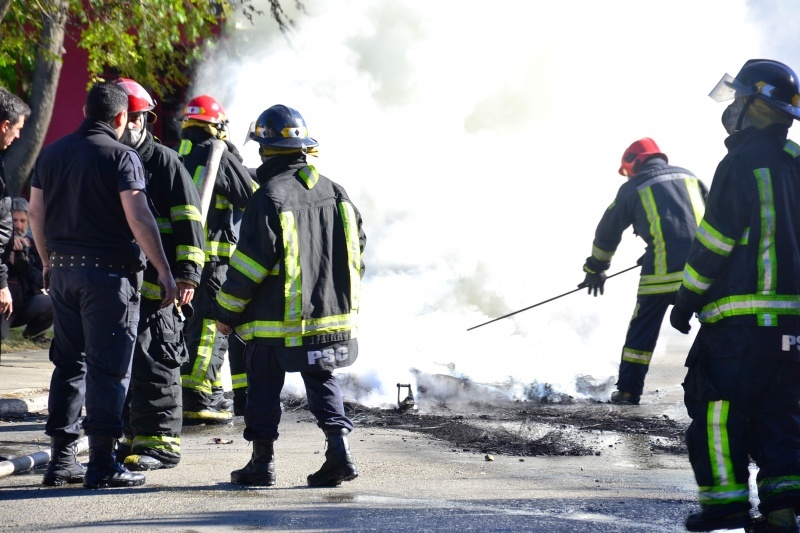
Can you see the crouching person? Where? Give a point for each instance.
(292, 295)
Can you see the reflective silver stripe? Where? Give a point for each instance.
(350, 222)
(751, 304)
(768, 264)
(602, 255)
(636, 356)
(660, 179)
(713, 240)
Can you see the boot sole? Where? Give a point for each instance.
(60, 482)
(333, 483)
(114, 485)
(250, 483)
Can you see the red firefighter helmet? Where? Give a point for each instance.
(139, 100)
(206, 109)
(637, 153)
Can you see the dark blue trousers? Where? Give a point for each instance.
(742, 392)
(96, 314)
(640, 342)
(265, 379)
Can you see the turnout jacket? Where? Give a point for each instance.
(232, 190)
(295, 278)
(175, 204)
(664, 204)
(744, 265)
(6, 223)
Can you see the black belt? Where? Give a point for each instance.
(77, 260)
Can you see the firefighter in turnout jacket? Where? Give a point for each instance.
(293, 295)
(204, 121)
(152, 416)
(742, 278)
(664, 204)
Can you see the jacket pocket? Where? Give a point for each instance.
(169, 333)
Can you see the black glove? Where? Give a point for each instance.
(594, 281)
(679, 318)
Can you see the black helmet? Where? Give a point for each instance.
(281, 126)
(766, 79)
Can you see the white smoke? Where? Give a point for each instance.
(481, 142)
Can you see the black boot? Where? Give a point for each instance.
(64, 466)
(104, 470)
(339, 462)
(260, 470)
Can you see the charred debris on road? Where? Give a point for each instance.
(523, 429)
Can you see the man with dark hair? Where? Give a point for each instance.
(91, 221)
(13, 112)
(33, 307)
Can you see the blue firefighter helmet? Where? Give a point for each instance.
(282, 127)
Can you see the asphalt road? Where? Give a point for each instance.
(407, 481)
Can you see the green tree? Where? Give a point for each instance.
(155, 42)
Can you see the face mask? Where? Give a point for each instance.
(730, 117)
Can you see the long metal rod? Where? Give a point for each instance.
(548, 300)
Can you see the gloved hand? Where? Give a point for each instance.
(594, 281)
(679, 318)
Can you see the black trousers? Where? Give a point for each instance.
(205, 345)
(265, 381)
(153, 413)
(96, 315)
(640, 341)
(32, 310)
(742, 392)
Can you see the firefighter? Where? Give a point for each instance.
(293, 295)
(203, 121)
(742, 278)
(664, 204)
(153, 409)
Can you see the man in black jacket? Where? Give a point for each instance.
(154, 410)
(13, 112)
(293, 294)
(91, 223)
(742, 278)
(664, 204)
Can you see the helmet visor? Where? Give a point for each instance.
(729, 88)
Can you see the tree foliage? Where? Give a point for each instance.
(156, 42)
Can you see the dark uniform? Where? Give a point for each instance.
(293, 292)
(153, 416)
(743, 278)
(32, 307)
(95, 277)
(233, 189)
(664, 204)
(6, 223)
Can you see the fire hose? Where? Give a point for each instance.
(27, 462)
(580, 287)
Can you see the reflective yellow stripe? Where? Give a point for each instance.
(294, 331)
(185, 147)
(249, 267)
(218, 249)
(184, 212)
(636, 356)
(164, 225)
(696, 199)
(238, 381)
(602, 255)
(292, 289)
(659, 245)
(222, 202)
(767, 265)
(791, 148)
(309, 175)
(150, 291)
(190, 253)
(714, 240)
(693, 281)
(231, 303)
(751, 304)
(158, 442)
(350, 222)
(718, 445)
(197, 379)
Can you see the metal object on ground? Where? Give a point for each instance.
(21, 464)
(408, 403)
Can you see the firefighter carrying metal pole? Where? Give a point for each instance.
(580, 287)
